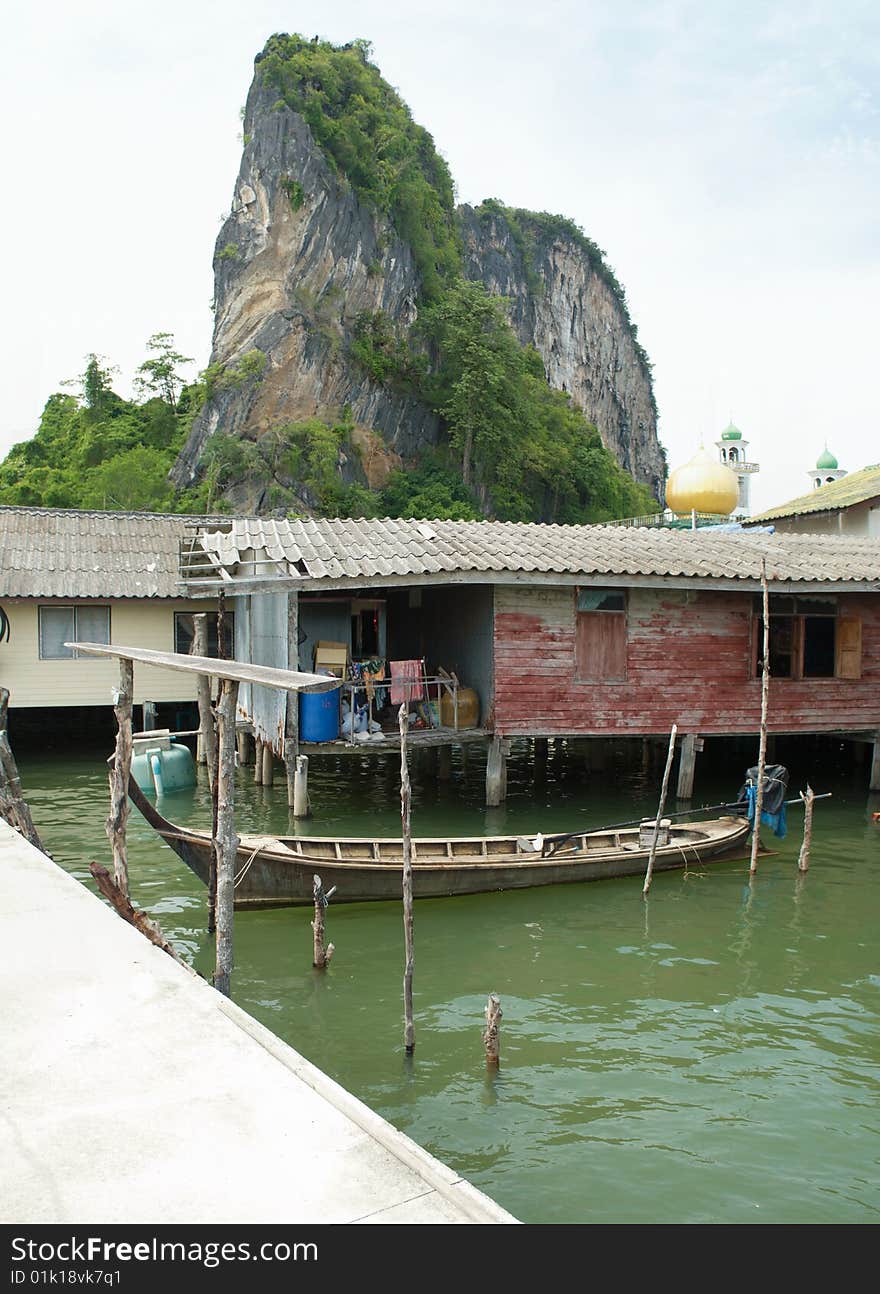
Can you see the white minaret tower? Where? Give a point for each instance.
(826, 470)
(732, 453)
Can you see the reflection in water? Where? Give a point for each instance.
(709, 1053)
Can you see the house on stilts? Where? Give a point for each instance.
(562, 631)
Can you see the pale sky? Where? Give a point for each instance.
(725, 156)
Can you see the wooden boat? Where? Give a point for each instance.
(278, 870)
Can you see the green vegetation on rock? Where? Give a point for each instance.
(97, 450)
(367, 132)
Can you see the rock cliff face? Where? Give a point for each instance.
(300, 257)
(296, 261)
(563, 306)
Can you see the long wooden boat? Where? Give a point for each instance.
(278, 870)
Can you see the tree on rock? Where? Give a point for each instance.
(159, 374)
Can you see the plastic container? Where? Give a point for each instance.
(319, 715)
(158, 769)
(468, 709)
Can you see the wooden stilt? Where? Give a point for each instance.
(491, 1034)
(409, 1029)
(13, 806)
(669, 758)
(874, 783)
(268, 765)
(321, 955)
(119, 771)
(762, 740)
(804, 855)
(301, 806)
(686, 766)
(444, 763)
(496, 773)
(207, 737)
(258, 762)
(291, 712)
(226, 840)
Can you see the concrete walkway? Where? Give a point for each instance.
(132, 1092)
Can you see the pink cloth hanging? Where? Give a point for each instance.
(406, 680)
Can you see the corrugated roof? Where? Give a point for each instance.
(66, 553)
(856, 487)
(319, 550)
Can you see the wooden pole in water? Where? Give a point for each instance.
(321, 954)
(762, 741)
(669, 758)
(207, 752)
(804, 855)
(226, 840)
(13, 806)
(491, 1034)
(119, 773)
(409, 1031)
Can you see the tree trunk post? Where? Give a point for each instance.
(491, 1033)
(409, 1031)
(804, 855)
(119, 773)
(291, 708)
(226, 841)
(670, 755)
(207, 736)
(321, 955)
(258, 762)
(762, 740)
(13, 806)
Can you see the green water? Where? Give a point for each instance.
(710, 1055)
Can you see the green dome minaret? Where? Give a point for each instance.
(826, 469)
(733, 453)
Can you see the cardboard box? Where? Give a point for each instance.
(331, 656)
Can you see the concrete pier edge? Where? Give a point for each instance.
(122, 1079)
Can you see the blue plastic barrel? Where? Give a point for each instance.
(319, 716)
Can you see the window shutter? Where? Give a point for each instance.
(848, 648)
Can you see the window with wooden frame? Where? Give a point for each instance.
(600, 636)
(808, 639)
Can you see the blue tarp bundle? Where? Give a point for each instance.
(774, 820)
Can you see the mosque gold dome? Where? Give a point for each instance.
(702, 485)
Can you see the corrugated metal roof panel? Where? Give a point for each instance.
(67, 553)
(332, 549)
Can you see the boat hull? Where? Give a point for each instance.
(274, 872)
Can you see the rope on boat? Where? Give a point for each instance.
(244, 871)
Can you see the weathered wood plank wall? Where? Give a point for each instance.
(689, 661)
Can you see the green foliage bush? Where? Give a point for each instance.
(101, 451)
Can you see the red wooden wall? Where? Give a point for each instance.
(688, 662)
